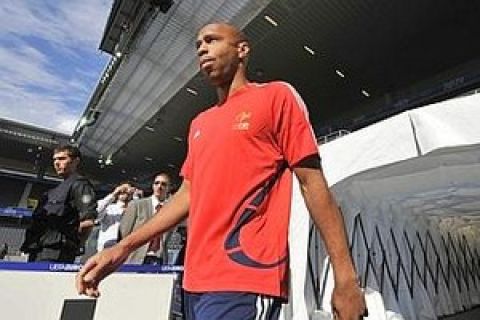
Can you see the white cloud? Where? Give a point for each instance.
(69, 23)
(39, 109)
(46, 56)
(26, 66)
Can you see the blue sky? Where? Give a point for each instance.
(49, 59)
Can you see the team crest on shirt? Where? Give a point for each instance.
(242, 121)
(86, 199)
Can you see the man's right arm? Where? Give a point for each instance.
(102, 205)
(107, 261)
(84, 201)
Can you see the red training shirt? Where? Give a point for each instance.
(239, 167)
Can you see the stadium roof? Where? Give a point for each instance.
(354, 62)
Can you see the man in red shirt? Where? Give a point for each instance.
(237, 192)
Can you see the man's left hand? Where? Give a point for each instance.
(348, 301)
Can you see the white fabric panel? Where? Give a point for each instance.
(382, 143)
(298, 247)
(448, 123)
(407, 135)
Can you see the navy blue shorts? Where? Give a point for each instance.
(231, 306)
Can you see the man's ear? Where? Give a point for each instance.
(76, 162)
(243, 50)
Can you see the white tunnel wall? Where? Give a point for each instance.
(410, 195)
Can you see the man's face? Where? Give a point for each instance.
(161, 187)
(64, 164)
(219, 52)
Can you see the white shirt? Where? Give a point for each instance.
(155, 202)
(109, 216)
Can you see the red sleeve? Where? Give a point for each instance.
(293, 130)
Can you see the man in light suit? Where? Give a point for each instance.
(138, 213)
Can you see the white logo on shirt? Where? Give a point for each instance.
(242, 120)
(196, 134)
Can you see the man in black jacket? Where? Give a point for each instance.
(65, 215)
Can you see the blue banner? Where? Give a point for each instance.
(68, 267)
(15, 212)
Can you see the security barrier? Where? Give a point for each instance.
(47, 291)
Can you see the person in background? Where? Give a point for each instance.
(3, 251)
(138, 213)
(110, 211)
(236, 192)
(65, 216)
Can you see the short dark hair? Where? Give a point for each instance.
(126, 182)
(72, 151)
(162, 174)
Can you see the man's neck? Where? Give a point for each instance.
(227, 89)
(67, 175)
(160, 199)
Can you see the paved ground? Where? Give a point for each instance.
(473, 314)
